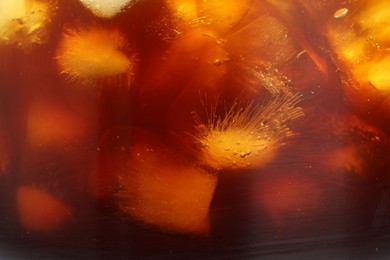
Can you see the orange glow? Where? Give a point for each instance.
(24, 22)
(40, 211)
(364, 47)
(289, 196)
(346, 159)
(53, 125)
(212, 17)
(379, 74)
(375, 19)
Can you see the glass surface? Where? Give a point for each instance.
(175, 129)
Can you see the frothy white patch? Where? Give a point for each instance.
(104, 8)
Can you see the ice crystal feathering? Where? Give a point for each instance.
(92, 53)
(248, 137)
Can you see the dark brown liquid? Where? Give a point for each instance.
(328, 186)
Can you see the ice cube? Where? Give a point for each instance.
(188, 61)
(360, 156)
(40, 211)
(266, 39)
(160, 188)
(53, 125)
(58, 147)
(360, 43)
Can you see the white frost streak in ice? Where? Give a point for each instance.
(104, 8)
